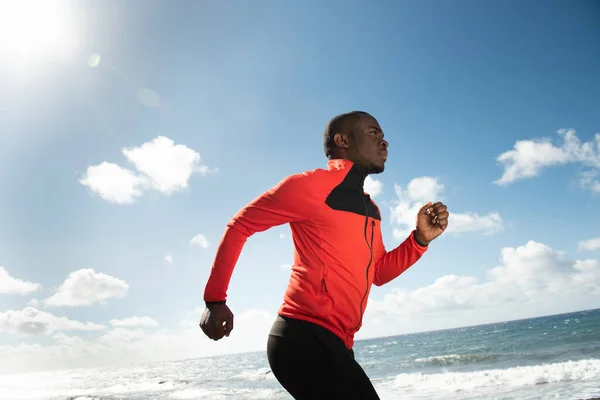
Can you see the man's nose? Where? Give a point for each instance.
(384, 144)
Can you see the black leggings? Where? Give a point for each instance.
(311, 363)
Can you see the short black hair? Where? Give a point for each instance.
(342, 123)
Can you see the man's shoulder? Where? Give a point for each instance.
(316, 176)
(316, 183)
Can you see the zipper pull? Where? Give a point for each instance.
(324, 285)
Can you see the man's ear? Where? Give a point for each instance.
(341, 140)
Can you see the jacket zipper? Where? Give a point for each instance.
(370, 245)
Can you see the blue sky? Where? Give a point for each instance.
(249, 89)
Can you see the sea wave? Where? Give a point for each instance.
(456, 359)
(116, 391)
(225, 394)
(510, 378)
(85, 398)
(256, 375)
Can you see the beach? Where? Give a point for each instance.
(555, 357)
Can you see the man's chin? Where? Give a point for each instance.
(376, 169)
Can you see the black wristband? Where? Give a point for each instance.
(417, 240)
(212, 303)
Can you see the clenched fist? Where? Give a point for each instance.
(432, 221)
(216, 321)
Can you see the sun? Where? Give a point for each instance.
(30, 28)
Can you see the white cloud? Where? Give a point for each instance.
(373, 186)
(200, 240)
(531, 280)
(169, 259)
(472, 222)
(421, 190)
(35, 303)
(11, 285)
(590, 244)
(134, 322)
(588, 179)
(113, 183)
(529, 157)
(161, 165)
(31, 321)
(168, 166)
(126, 346)
(85, 287)
(286, 266)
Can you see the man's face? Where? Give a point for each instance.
(371, 148)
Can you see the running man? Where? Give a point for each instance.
(338, 254)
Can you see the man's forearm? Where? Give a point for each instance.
(393, 263)
(228, 252)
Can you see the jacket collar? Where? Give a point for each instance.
(339, 163)
(359, 173)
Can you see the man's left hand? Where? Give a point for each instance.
(432, 221)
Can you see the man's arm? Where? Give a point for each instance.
(390, 265)
(290, 201)
(432, 221)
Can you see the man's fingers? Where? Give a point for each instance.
(425, 208)
(434, 208)
(438, 212)
(442, 215)
(443, 223)
(218, 331)
(439, 208)
(207, 329)
(218, 335)
(228, 325)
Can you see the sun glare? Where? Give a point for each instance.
(30, 28)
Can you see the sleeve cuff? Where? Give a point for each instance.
(414, 236)
(210, 303)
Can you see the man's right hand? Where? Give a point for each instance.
(216, 321)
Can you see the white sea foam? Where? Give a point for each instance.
(450, 359)
(81, 385)
(247, 394)
(260, 374)
(194, 393)
(488, 381)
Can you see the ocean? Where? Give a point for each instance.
(554, 357)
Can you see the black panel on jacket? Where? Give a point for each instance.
(349, 195)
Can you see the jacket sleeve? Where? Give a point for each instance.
(390, 265)
(289, 201)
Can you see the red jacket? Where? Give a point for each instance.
(338, 247)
